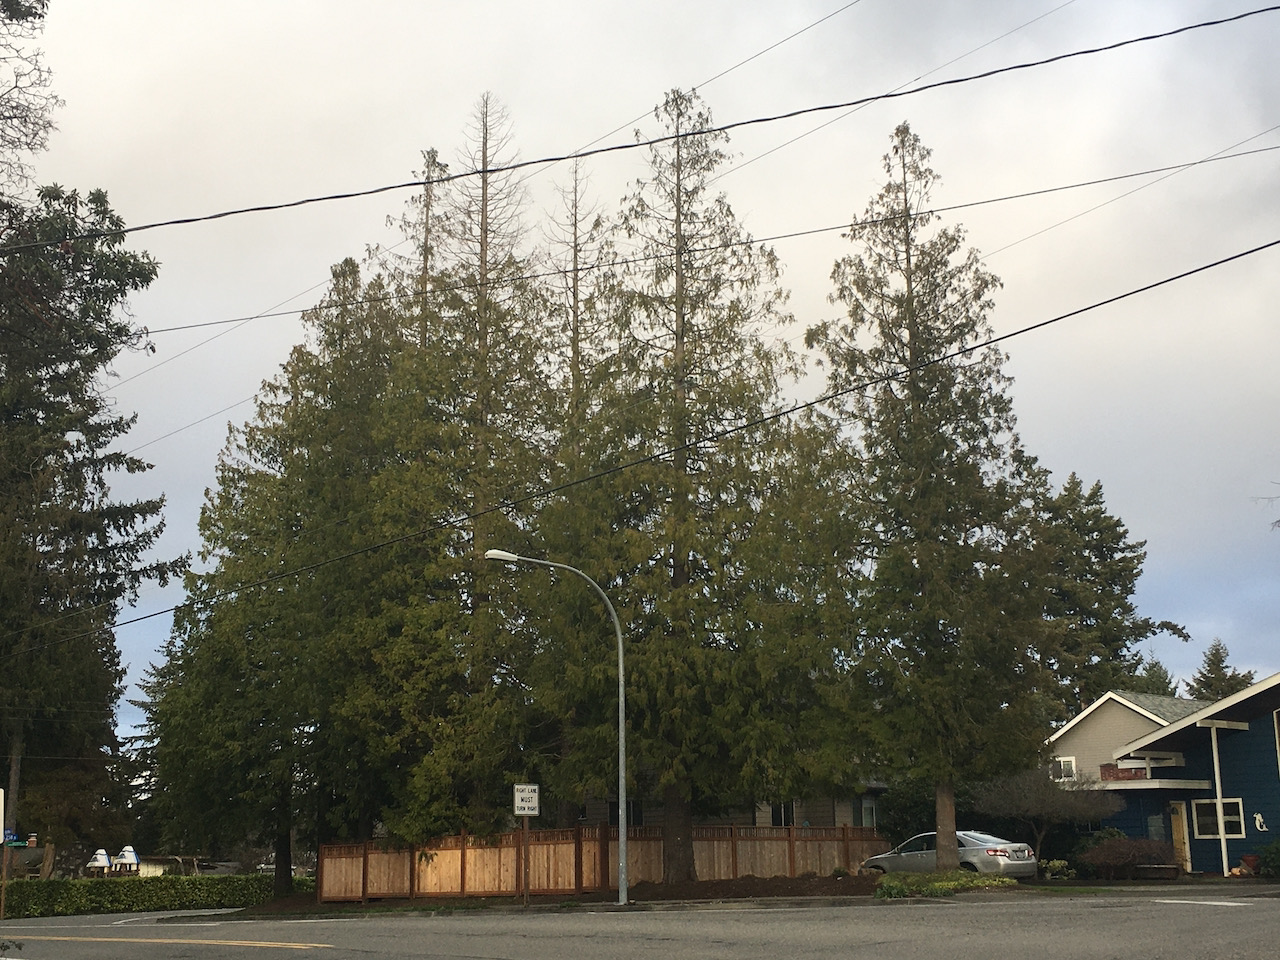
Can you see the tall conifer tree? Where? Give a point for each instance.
(948, 610)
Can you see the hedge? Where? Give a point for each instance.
(893, 886)
(61, 898)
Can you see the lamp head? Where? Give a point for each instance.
(501, 555)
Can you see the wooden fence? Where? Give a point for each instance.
(578, 859)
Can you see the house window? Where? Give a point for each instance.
(784, 814)
(1204, 816)
(1063, 768)
(868, 810)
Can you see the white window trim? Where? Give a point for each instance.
(1075, 773)
(1195, 820)
(1276, 718)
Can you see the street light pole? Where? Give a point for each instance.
(622, 708)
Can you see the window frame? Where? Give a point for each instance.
(1212, 804)
(1056, 767)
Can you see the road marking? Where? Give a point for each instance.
(173, 941)
(1208, 903)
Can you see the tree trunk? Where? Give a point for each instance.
(677, 834)
(284, 842)
(17, 743)
(945, 806)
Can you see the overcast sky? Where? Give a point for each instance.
(1168, 398)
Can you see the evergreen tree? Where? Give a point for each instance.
(1216, 680)
(71, 555)
(949, 608)
(245, 717)
(693, 363)
(1153, 677)
(467, 410)
(1093, 574)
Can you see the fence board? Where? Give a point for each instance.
(489, 864)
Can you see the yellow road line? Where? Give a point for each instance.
(174, 941)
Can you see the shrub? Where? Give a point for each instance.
(1269, 859)
(1117, 856)
(61, 898)
(1056, 870)
(894, 886)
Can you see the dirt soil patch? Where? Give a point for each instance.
(743, 888)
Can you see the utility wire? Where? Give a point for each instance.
(711, 438)
(1169, 170)
(655, 141)
(843, 116)
(791, 235)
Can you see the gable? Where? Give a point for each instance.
(1092, 740)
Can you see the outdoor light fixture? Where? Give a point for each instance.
(508, 557)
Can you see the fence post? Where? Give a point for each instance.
(413, 871)
(604, 855)
(462, 863)
(364, 874)
(733, 851)
(320, 874)
(577, 858)
(791, 850)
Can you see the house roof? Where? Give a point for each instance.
(1255, 701)
(1158, 709)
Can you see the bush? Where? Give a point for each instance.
(893, 886)
(1116, 857)
(1056, 870)
(1269, 860)
(62, 898)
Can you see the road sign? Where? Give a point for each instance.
(526, 799)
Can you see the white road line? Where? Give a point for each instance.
(1208, 903)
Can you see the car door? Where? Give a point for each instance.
(919, 854)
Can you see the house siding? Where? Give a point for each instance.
(1092, 742)
(1248, 772)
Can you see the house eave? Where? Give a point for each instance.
(1156, 785)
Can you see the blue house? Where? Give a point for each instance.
(1216, 795)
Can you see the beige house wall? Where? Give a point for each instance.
(1092, 740)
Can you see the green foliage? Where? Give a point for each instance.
(1153, 677)
(1056, 870)
(71, 555)
(1216, 680)
(1094, 569)
(895, 886)
(64, 898)
(950, 600)
(1269, 859)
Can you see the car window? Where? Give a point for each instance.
(917, 844)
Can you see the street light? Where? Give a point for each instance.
(622, 709)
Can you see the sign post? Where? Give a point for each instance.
(526, 806)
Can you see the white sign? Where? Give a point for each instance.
(526, 796)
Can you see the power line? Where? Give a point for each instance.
(1169, 170)
(790, 235)
(711, 438)
(941, 66)
(655, 141)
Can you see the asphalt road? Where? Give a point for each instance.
(1175, 924)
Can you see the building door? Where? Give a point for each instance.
(1178, 825)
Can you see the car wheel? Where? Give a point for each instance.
(872, 871)
(969, 866)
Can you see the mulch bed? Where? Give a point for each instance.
(741, 889)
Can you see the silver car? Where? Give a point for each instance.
(979, 852)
